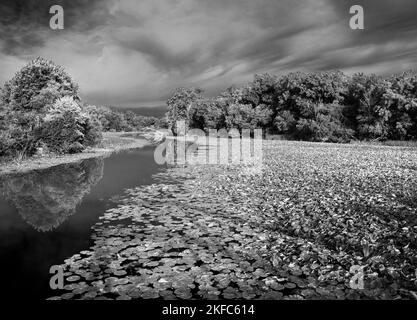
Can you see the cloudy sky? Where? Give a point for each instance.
(133, 53)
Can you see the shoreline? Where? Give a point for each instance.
(112, 142)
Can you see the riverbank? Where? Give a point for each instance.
(112, 142)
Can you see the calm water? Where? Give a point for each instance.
(46, 215)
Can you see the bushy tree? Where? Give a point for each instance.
(366, 96)
(308, 106)
(133, 121)
(326, 125)
(285, 122)
(16, 141)
(263, 115)
(179, 106)
(299, 92)
(109, 119)
(115, 120)
(26, 102)
(236, 95)
(401, 98)
(244, 116)
(264, 87)
(139, 122)
(208, 114)
(38, 84)
(93, 132)
(66, 128)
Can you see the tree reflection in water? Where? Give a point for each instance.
(46, 198)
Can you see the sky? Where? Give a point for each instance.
(134, 53)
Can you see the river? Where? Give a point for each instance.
(47, 215)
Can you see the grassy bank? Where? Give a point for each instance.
(112, 142)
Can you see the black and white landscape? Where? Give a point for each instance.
(208, 150)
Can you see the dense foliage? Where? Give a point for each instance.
(179, 106)
(67, 129)
(322, 106)
(116, 120)
(37, 84)
(40, 111)
(322, 221)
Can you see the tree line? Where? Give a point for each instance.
(315, 106)
(40, 109)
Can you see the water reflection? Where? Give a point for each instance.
(46, 198)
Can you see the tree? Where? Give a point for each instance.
(260, 95)
(100, 113)
(38, 85)
(262, 90)
(179, 106)
(243, 116)
(326, 125)
(66, 128)
(299, 92)
(367, 97)
(401, 98)
(264, 87)
(285, 122)
(207, 114)
(116, 121)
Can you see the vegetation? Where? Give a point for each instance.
(41, 113)
(117, 121)
(179, 106)
(322, 106)
(301, 229)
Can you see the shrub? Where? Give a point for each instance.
(300, 92)
(93, 132)
(98, 113)
(240, 116)
(110, 120)
(67, 129)
(16, 142)
(284, 122)
(401, 99)
(115, 120)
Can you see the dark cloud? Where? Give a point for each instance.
(159, 54)
(24, 24)
(129, 52)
